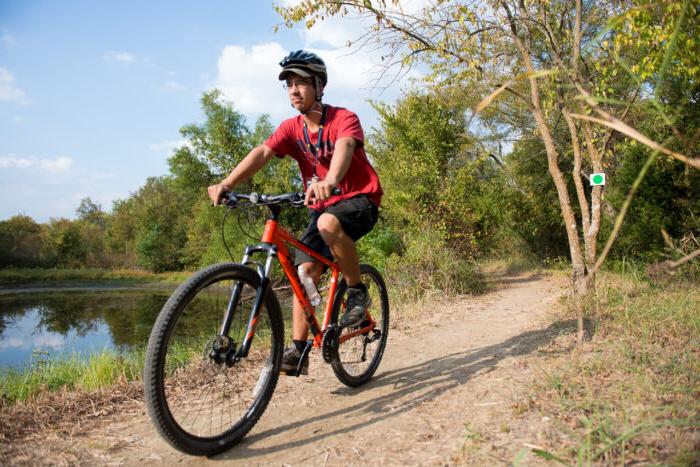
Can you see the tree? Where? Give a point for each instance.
(66, 247)
(92, 213)
(21, 242)
(223, 139)
(148, 228)
(549, 58)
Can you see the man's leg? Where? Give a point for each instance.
(300, 329)
(342, 247)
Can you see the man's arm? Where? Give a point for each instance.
(340, 163)
(249, 166)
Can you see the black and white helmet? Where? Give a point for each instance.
(306, 64)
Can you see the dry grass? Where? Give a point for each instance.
(63, 413)
(632, 395)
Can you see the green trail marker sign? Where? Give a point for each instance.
(598, 179)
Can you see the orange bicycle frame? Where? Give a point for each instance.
(275, 241)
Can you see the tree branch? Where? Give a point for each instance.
(616, 124)
(669, 267)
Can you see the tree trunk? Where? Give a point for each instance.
(579, 280)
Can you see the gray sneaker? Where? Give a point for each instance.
(290, 362)
(356, 307)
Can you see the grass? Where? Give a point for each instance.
(633, 394)
(13, 275)
(95, 371)
(73, 372)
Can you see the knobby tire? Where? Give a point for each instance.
(187, 394)
(347, 362)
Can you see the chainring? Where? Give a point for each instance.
(329, 345)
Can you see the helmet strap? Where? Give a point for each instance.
(319, 88)
(318, 85)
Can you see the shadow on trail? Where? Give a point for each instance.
(506, 279)
(407, 388)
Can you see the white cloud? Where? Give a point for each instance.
(24, 180)
(125, 57)
(17, 119)
(8, 90)
(248, 78)
(168, 146)
(59, 164)
(174, 86)
(8, 39)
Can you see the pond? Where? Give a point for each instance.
(40, 323)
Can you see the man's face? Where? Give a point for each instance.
(301, 92)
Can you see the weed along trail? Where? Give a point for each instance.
(452, 377)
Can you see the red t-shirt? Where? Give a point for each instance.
(360, 178)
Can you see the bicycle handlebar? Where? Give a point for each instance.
(231, 198)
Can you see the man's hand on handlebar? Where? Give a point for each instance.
(215, 192)
(318, 191)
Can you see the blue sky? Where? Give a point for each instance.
(92, 94)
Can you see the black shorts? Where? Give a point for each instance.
(357, 216)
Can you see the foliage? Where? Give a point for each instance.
(65, 245)
(667, 200)
(426, 265)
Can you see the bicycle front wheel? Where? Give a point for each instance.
(201, 406)
(358, 357)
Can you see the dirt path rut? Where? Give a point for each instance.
(444, 381)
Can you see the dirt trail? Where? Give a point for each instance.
(444, 393)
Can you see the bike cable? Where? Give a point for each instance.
(239, 218)
(223, 234)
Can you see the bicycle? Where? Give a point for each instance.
(213, 358)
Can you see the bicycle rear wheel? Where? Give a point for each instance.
(358, 357)
(199, 406)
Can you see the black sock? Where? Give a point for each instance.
(300, 345)
(359, 286)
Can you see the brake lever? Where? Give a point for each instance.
(228, 200)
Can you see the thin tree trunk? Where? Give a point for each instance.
(579, 279)
(591, 234)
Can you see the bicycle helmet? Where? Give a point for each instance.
(307, 65)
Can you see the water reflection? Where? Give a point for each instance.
(64, 322)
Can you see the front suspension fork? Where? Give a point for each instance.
(224, 349)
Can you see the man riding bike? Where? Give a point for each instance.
(328, 144)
